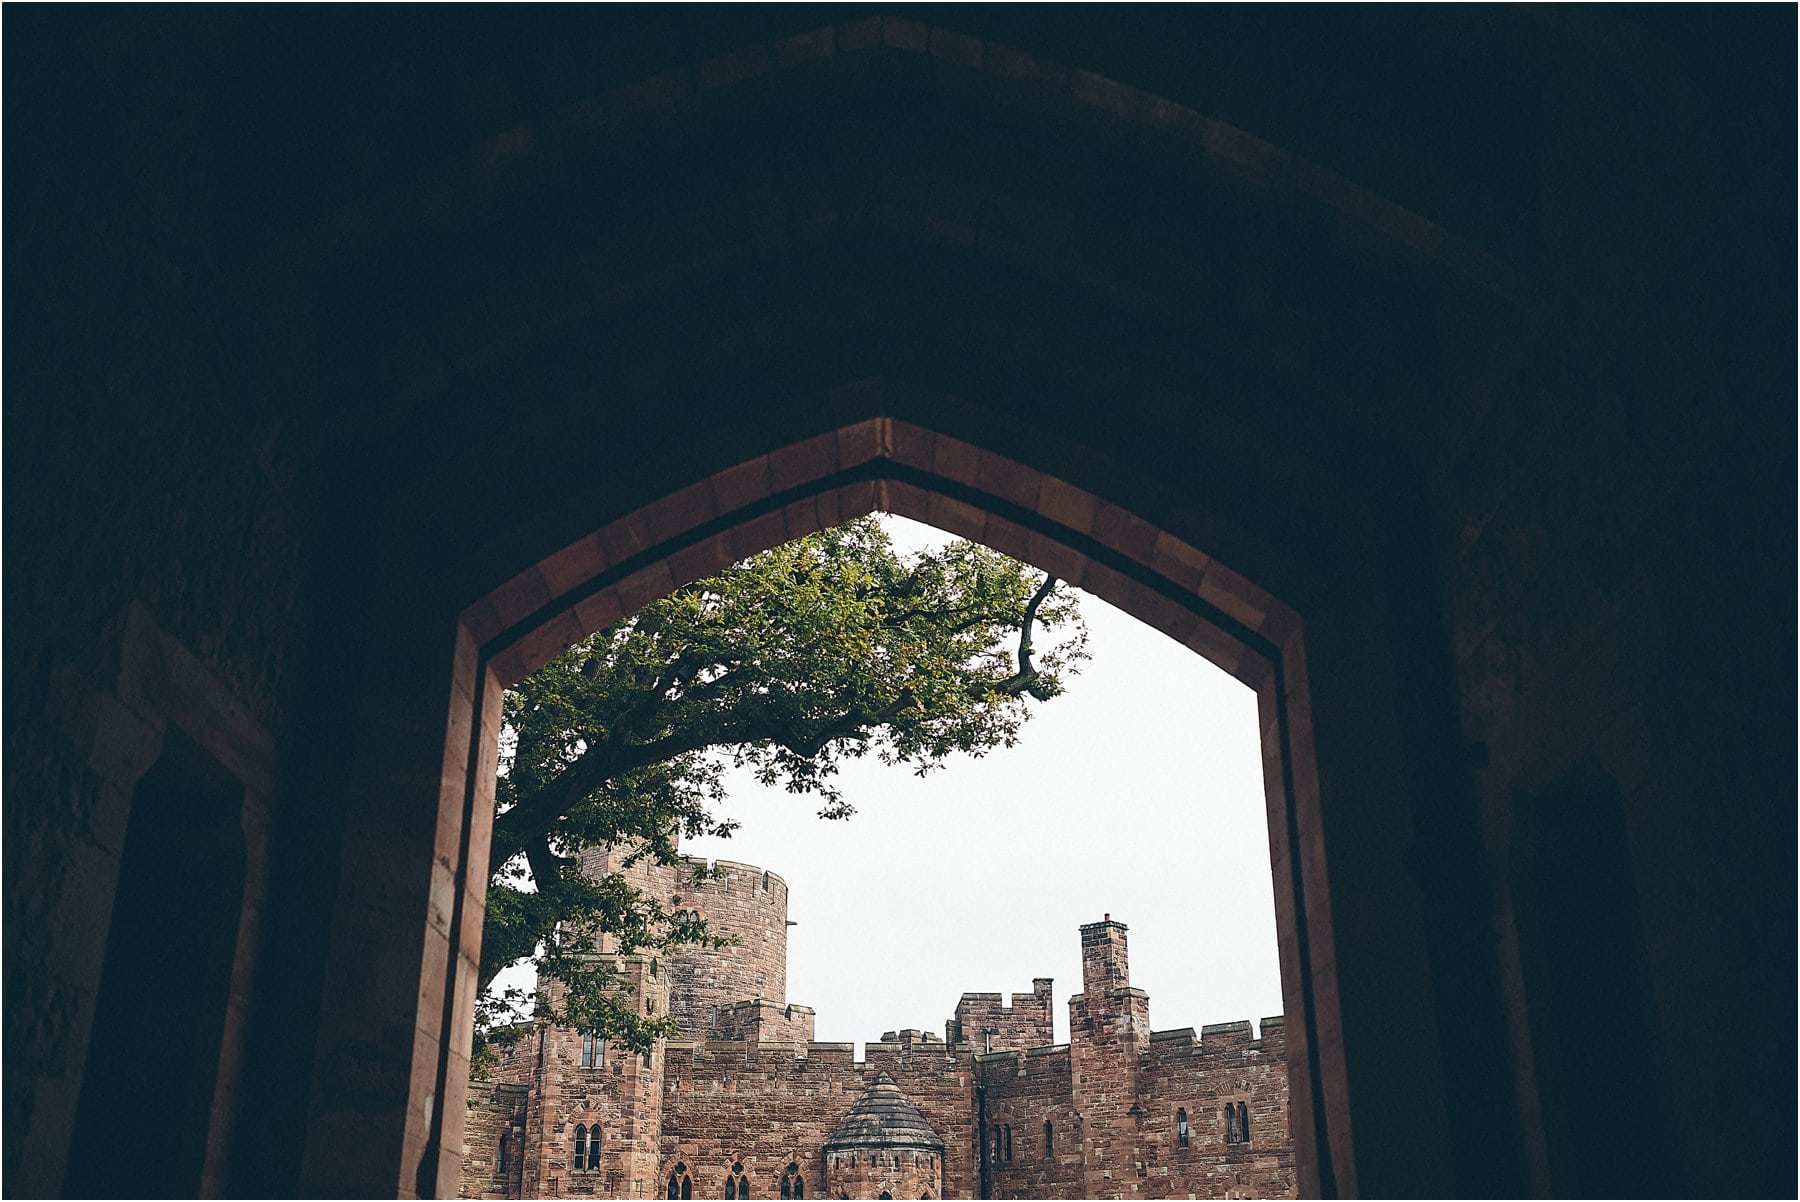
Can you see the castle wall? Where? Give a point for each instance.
(759, 1020)
(1020, 1092)
(983, 1021)
(1224, 1066)
(494, 1141)
(765, 1108)
(621, 1097)
(1111, 1098)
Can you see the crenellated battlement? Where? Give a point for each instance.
(1018, 1115)
(985, 1022)
(724, 874)
(1232, 1040)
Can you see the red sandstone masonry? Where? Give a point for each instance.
(982, 1021)
(1022, 1092)
(1110, 1098)
(749, 905)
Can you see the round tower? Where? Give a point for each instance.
(884, 1148)
(748, 904)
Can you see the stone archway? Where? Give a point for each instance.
(975, 425)
(896, 466)
(1459, 335)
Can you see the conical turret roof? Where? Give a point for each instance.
(883, 1118)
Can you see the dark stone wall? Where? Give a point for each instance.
(1468, 336)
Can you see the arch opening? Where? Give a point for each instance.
(884, 464)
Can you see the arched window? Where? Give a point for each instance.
(1237, 1123)
(792, 1184)
(736, 1184)
(593, 1156)
(885, 1194)
(1181, 1128)
(680, 1184)
(1049, 1143)
(1006, 1140)
(580, 1157)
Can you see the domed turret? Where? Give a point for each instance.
(884, 1148)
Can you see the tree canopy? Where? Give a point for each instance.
(825, 649)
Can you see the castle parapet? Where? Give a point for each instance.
(983, 1021)
(1218, 1041)
(831, 1055)
(759, 1020)
(1226, 1037)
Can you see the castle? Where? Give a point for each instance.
(751, 1107)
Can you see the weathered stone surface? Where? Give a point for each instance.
(747, 1095)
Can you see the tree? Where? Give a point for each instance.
(827, 648)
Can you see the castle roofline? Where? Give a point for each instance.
(733, 866)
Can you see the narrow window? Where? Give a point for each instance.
(505, 1147)
(647, 1055)
(1049, 1145)
(731, 1187)
(654, 968)
(736, 1184)
(680, 1184)
(580, 1149)
(792, 1185)
(1243, 1109)
(650, 1005)
(1006, 1132)
(593, 1160)
(1232, 1136)
(1181, 1128)
(593, 1051)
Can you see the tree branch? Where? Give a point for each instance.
(1027, 674)
(533, 816)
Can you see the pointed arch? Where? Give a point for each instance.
(888, 464)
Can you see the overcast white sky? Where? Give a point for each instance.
(1136, 793)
